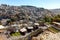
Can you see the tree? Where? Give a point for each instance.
(47, 19)
(56, 18)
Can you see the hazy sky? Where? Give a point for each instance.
(49, 4)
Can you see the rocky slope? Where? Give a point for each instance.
(47, 35)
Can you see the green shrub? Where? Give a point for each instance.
(15, 34)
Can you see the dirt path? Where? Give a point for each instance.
(3, 37)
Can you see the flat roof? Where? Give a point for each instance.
(56, 23)
(36, 23)
(14, 25)
(30, 27)
(23, 30)
(1, 27)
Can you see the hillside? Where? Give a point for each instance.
(7, 11)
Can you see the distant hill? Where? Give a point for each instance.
(55, 11)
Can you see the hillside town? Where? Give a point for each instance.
(28, 23)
